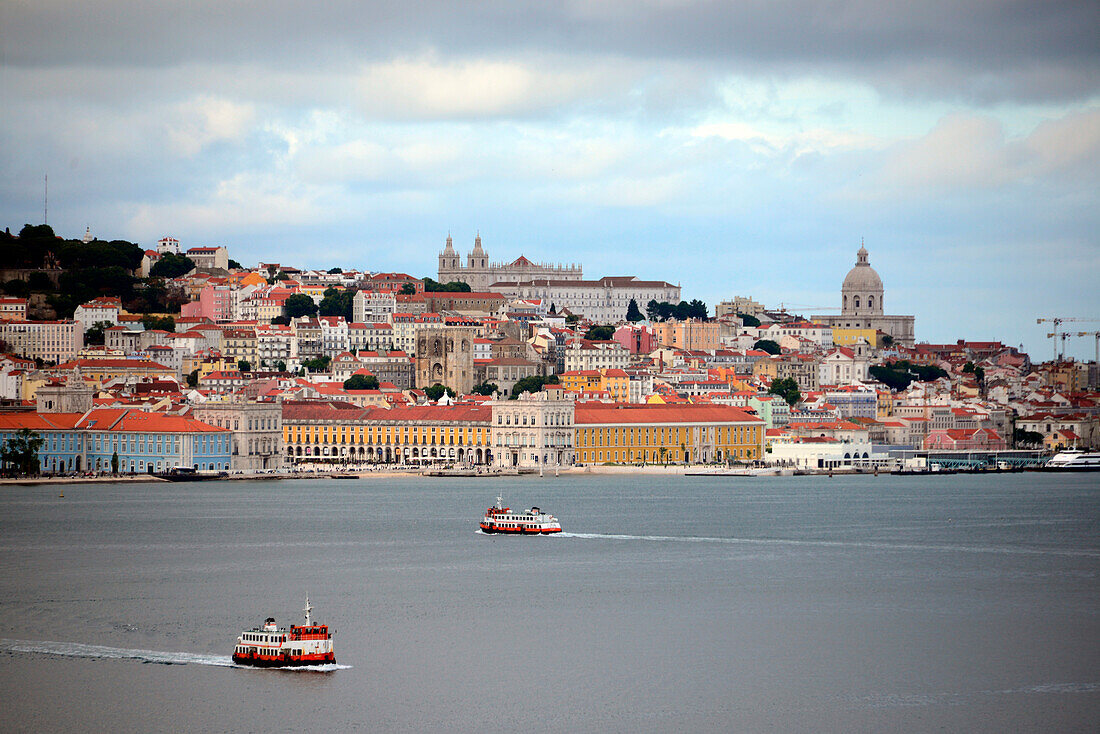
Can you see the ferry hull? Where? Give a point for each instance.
(518, 531)
(280, 661)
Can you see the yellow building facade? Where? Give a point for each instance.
(615, 381)
(659, 434)
(847, 337)
(423, 434)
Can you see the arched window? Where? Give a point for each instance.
(870, 301)
(855, 302)
(845, 303)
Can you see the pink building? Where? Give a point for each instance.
(964, 439)
(215, 303)
(636, 339)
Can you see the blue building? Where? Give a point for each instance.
(143, 442)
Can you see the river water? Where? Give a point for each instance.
(798, 604)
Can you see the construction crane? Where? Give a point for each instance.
(1058, 335)
(1095, 335)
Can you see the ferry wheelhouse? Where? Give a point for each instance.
(501, 519)
(270, 646)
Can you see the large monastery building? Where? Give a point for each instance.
(862, 307)
(480, 273)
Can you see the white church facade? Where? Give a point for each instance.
(480, 273)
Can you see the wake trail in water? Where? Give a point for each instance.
(101, 652)
(876, 545)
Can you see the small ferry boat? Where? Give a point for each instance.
(269, 646)
(501, 519)
(190, 474)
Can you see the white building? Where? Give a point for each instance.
(334, 335)
(209, 258)
(168, 245)
(52, 341)
(373, 307)
(533, 431)
(370, 337)
(97, 310)
(257, 432)
(844, 366)
(585, 354)
(604, 301)
(820, 335)
(275, 343)
(822, 453)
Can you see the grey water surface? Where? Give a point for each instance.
(800, 604)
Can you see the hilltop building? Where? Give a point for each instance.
(479, 273)
(862, 307)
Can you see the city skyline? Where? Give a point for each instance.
(635, 138)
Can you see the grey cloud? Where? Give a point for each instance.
(982, 50)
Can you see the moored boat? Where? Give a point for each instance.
(501, 519)
(270, 646)
(1074, 460)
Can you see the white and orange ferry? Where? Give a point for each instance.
(501, 519)
(270, 646)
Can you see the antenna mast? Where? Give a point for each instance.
(46, 201)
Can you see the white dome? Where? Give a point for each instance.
(862, 277)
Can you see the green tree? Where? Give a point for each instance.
(94, 335)
(653, 310)
(485, 388)
(361, 382)
(193, 378)
(787, 389)
(234, 265)
(572, 318)
(435, 392)
(39, 282)
(299, 305)
(20, 452)
(408, 290)
(244, 366)
(749, 320)
(337, 303)
(164, 323)
(17, 288)
(335, 271)
(280, 366)
(171, 265)
(317, 364)
(897, 375)
(534, 383)
(767, 345)
(114, 463)
(432, 286)
(600, 333)
(887, 341)
(633, 313)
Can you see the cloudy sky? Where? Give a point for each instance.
(738, 148)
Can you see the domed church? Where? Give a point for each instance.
(862, 306)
